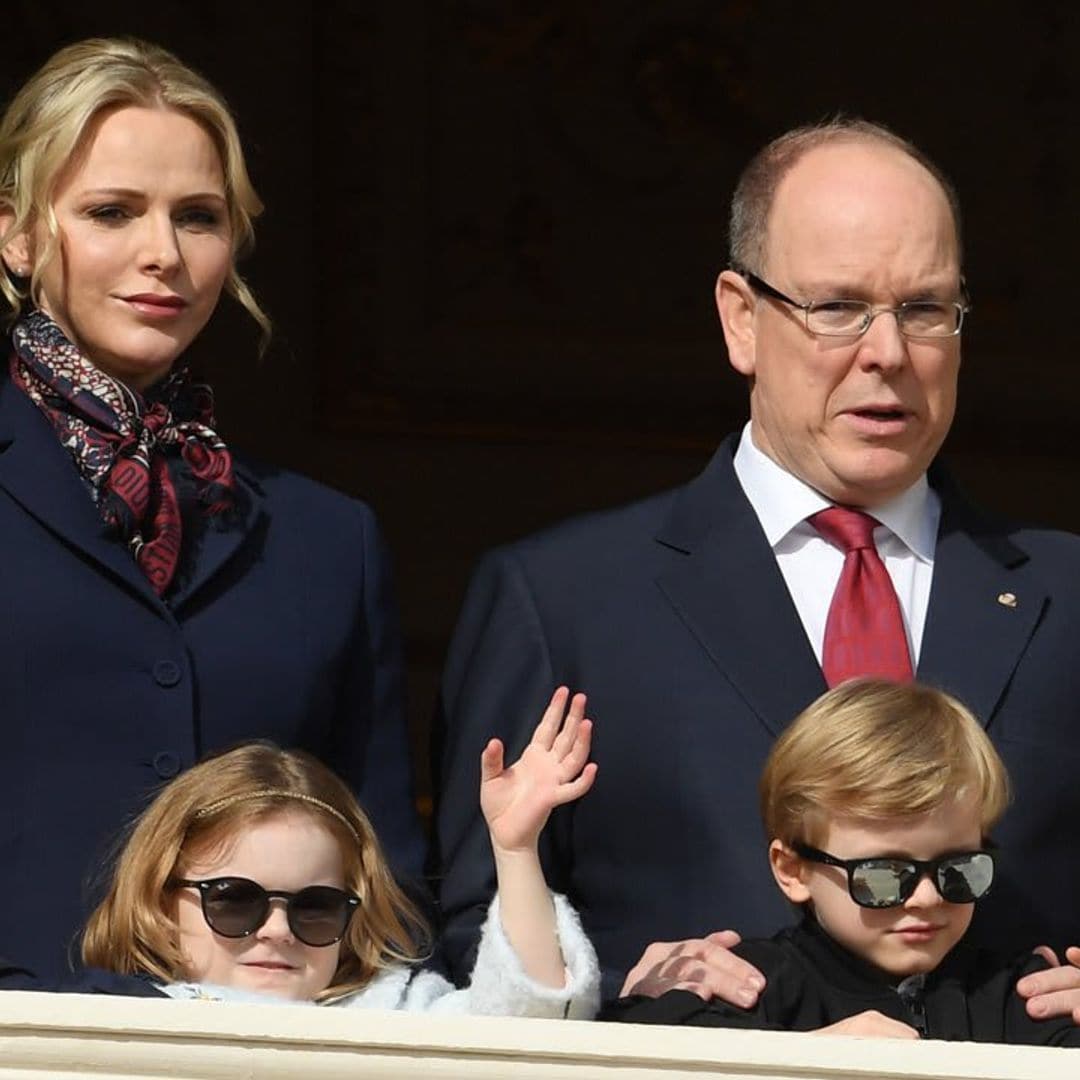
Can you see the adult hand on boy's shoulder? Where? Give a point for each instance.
(706, 966)
(870, 1023)
(1056, 990)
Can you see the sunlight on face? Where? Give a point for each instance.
(857, 419)
(916, 936)
(145, 242)
(287, 851)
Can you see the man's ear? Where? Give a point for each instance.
(735, 301)
(17, 253)
(789, 870)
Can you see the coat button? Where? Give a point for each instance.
(167, 673)
(166, 764)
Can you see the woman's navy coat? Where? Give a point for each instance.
(284, 629)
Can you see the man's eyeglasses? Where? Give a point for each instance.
(887, 881)
(852, 318)
(235, 907)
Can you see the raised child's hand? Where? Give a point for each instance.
(517, 801)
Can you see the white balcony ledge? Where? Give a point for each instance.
(58, 1036)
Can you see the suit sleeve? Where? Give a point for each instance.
(497, 680)
(1021, 1028)
(776, 1008)
(369, 745)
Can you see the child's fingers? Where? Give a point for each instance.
(548, 728)
(566, 737)
(491, 761)
(576, 756)
(576, 788)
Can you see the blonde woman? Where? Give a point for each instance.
(163, 596)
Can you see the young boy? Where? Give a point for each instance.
(879, 800)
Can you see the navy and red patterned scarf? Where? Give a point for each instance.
(120, 442)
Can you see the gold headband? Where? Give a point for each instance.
(282, 793)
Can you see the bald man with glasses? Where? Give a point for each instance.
(820, 543)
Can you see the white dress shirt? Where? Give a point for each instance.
(811, 566)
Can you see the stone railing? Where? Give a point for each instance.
(56, 1037)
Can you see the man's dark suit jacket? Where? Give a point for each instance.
(673, 616)
(284, 629)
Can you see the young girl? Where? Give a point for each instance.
(256, 873)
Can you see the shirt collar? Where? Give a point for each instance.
(783, 502)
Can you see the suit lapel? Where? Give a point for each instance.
(979, 621)
(730, 593)
(217, 546)
(37, 472)
(732, 597)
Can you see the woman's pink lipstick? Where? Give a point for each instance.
(156, 305)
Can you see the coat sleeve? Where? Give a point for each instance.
(16, 977)
(497, 680)
(775, 1010)
(86, 981)
(1021, 1028)
(684, 1007)
(499, 985)
(369, 745)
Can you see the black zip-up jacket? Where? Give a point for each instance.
(814, 982)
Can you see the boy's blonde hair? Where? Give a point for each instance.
(875, 749)
(45, 127)
(200, 813)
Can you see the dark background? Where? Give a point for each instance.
(492, 231)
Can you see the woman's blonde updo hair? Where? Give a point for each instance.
(200, 814)
(47, 121)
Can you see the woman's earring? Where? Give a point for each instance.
(19, 271)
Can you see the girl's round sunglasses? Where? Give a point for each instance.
(236, 907)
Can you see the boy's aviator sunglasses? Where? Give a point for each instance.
(886, 881)
(235, 907)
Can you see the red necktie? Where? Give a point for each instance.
(864, 634)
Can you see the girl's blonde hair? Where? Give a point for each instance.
(875, 749)
(45, 127)
(134, 929)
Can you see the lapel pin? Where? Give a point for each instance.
(1007, 599)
